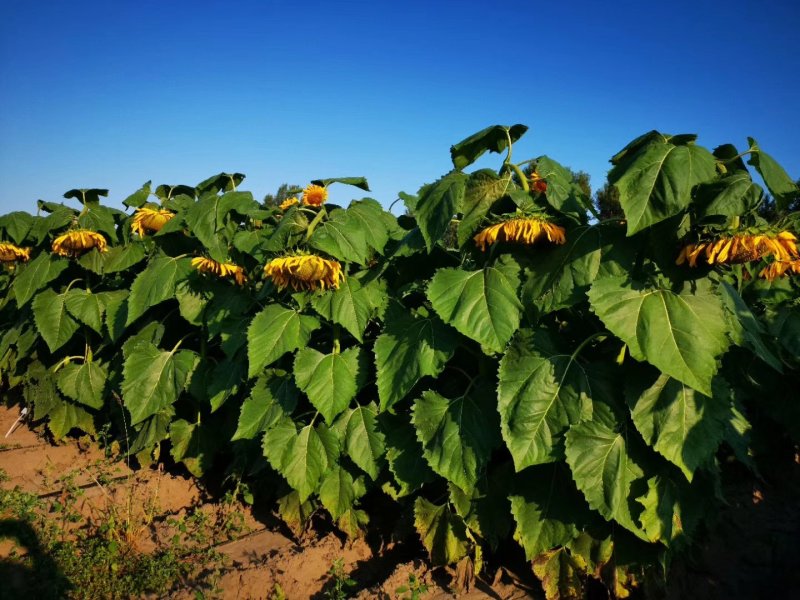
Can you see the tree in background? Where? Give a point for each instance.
(607, 202)
(285, 191)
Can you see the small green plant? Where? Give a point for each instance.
(414, 588)
(340, 585)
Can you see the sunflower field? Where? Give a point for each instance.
(501, 363)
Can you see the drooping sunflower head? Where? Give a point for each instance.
(10, 253)
(76, 242)
(222, 270)
(525, 230)
(149, 220)
(315, 195)
(740, 248)
(288, 203)
(779, 268)
(304, 272)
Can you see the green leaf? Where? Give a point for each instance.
(275, 331)
(35, 275)
(16, 225)
(153, 378)
(484, 188)
(87, 196)
(359, 182)
(224, 381)
(307, 458)
(291, 230)
(559, 186)
(54, 323)
(338, 491)
(278, 437)
(404, 454)
(352, 305)
(156, 284)
(457, 436)
(655, 181)
(731, 196)
(683, 334)
(486, 509)
(295, 513)
(194, 445)
(409, 348)
(747, 331)
(84, 383)
(442, 533)
(364, 442)
(777, 179)
(99, 218)
(87, 307)
(541, 392)
(116, 313)
(205, 219)
(139, 197)
(681, 424)
(342, 237)
(604, 470)
(437, 205)
(64, 416)
(672, 509)
(273, 396)
(548, 509)
(219, 183)
(121, 258)
(494, 139)
(482, 304)
(368, 215)
(330, 380)
(561, 575)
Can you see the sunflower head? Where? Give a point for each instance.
(741, 248)
(149, 220)
(304, 272)
(314, 195)
(288, 203)
(525, 230)
(76, 242)
(9, 253)
(779, 268)
(222, 270)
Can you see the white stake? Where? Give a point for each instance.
(21, 416)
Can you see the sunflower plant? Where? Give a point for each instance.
(499, 365)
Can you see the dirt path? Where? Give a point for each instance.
(258, 562)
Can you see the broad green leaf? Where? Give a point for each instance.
(733, 195)
(670, 509)
(116, 313)
(219, 183)
(409, 348)
(339, 491)
(457, 436)
(352, 305)
(494, 138)
(83, 383)
(683, 334)
(35, 275)
(370, 217)
(777, 179)
(277, 439)
(194, 445)
(121, 258)
(16, 225)
(294, 512)
(275, 331)
(438, 204)
(87, 196)
(604, 470)
(747, 331)
(442, 533)
(541, 392)
(99, 218)
(655, 181)
(330, 381)
(291, 230)
(87, 307)
(224, 381)
(154, 378)
(342, 237)
(204, 219)
(548, 509)
(52, 319)
(561, 575)
(156, 284)
(483, 189)
(273, 396)
(139, 197)
(482, 304)
(559, 186)
(404, 454)
(681, 424)
(64, 416)
(306, 459)
(364, 441)
(151, 432)
(486, 509)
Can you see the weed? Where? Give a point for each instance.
(414, 588)
(340, 584)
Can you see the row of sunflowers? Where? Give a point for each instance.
(498, 365)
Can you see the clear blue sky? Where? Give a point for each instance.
(113, 93)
